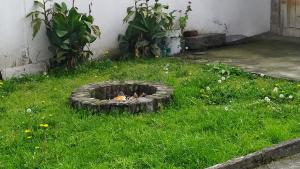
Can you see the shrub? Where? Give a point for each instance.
(147, 25)
(70, 32)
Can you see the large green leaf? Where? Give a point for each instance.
(159, 35)
(38, 4)
(73, 19)
(65, 46)
(36, 26)
(89, 18)
(130, 13)
(96, 30)
(59, 22)
(34, 13)
(60, 8)
(64, 7)
(61, 33)
(138, 27)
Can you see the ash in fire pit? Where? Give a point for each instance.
(122, 97)
(130, 96)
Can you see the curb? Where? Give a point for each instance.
(262, 157)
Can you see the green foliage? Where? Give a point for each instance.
(6, 88)
(147, 26)
(70, 32)
(183, 20)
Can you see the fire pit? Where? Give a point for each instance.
(128, 96)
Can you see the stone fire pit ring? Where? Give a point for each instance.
(99, 97)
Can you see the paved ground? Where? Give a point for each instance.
(268, 54)
(292, 162)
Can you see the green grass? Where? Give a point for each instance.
(195, 131)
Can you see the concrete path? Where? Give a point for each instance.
(267, 54)
(292, 162)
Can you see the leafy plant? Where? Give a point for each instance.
(184, 18)
(70, 32)
(147, 25)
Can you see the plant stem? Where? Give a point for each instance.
(45, 14)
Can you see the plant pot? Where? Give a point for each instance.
(173, 42)
(190, 33)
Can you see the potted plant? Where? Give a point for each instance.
(175, 42)
(146, 29)
(151, 31)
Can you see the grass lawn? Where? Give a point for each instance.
(207, 122)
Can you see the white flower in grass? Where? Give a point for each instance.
(45, 73)
(267, 99)
(223, 78)
(219, 81)
(262, 75)
(275, 90)
(223, 71)
(166, 67)
(281, 96)
(226, 108)
(208, 88)
(291, 97)
(29, 110)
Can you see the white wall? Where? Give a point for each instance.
(248, 17)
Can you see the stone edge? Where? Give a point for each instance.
(262, 157)
(81, 96)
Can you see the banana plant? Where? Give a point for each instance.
(147, 26)
(69, 32)
(148, 23)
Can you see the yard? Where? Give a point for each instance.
(217, 113)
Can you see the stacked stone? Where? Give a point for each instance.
(98, 97)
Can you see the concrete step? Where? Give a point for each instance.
(236, 39)
(205, 41)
